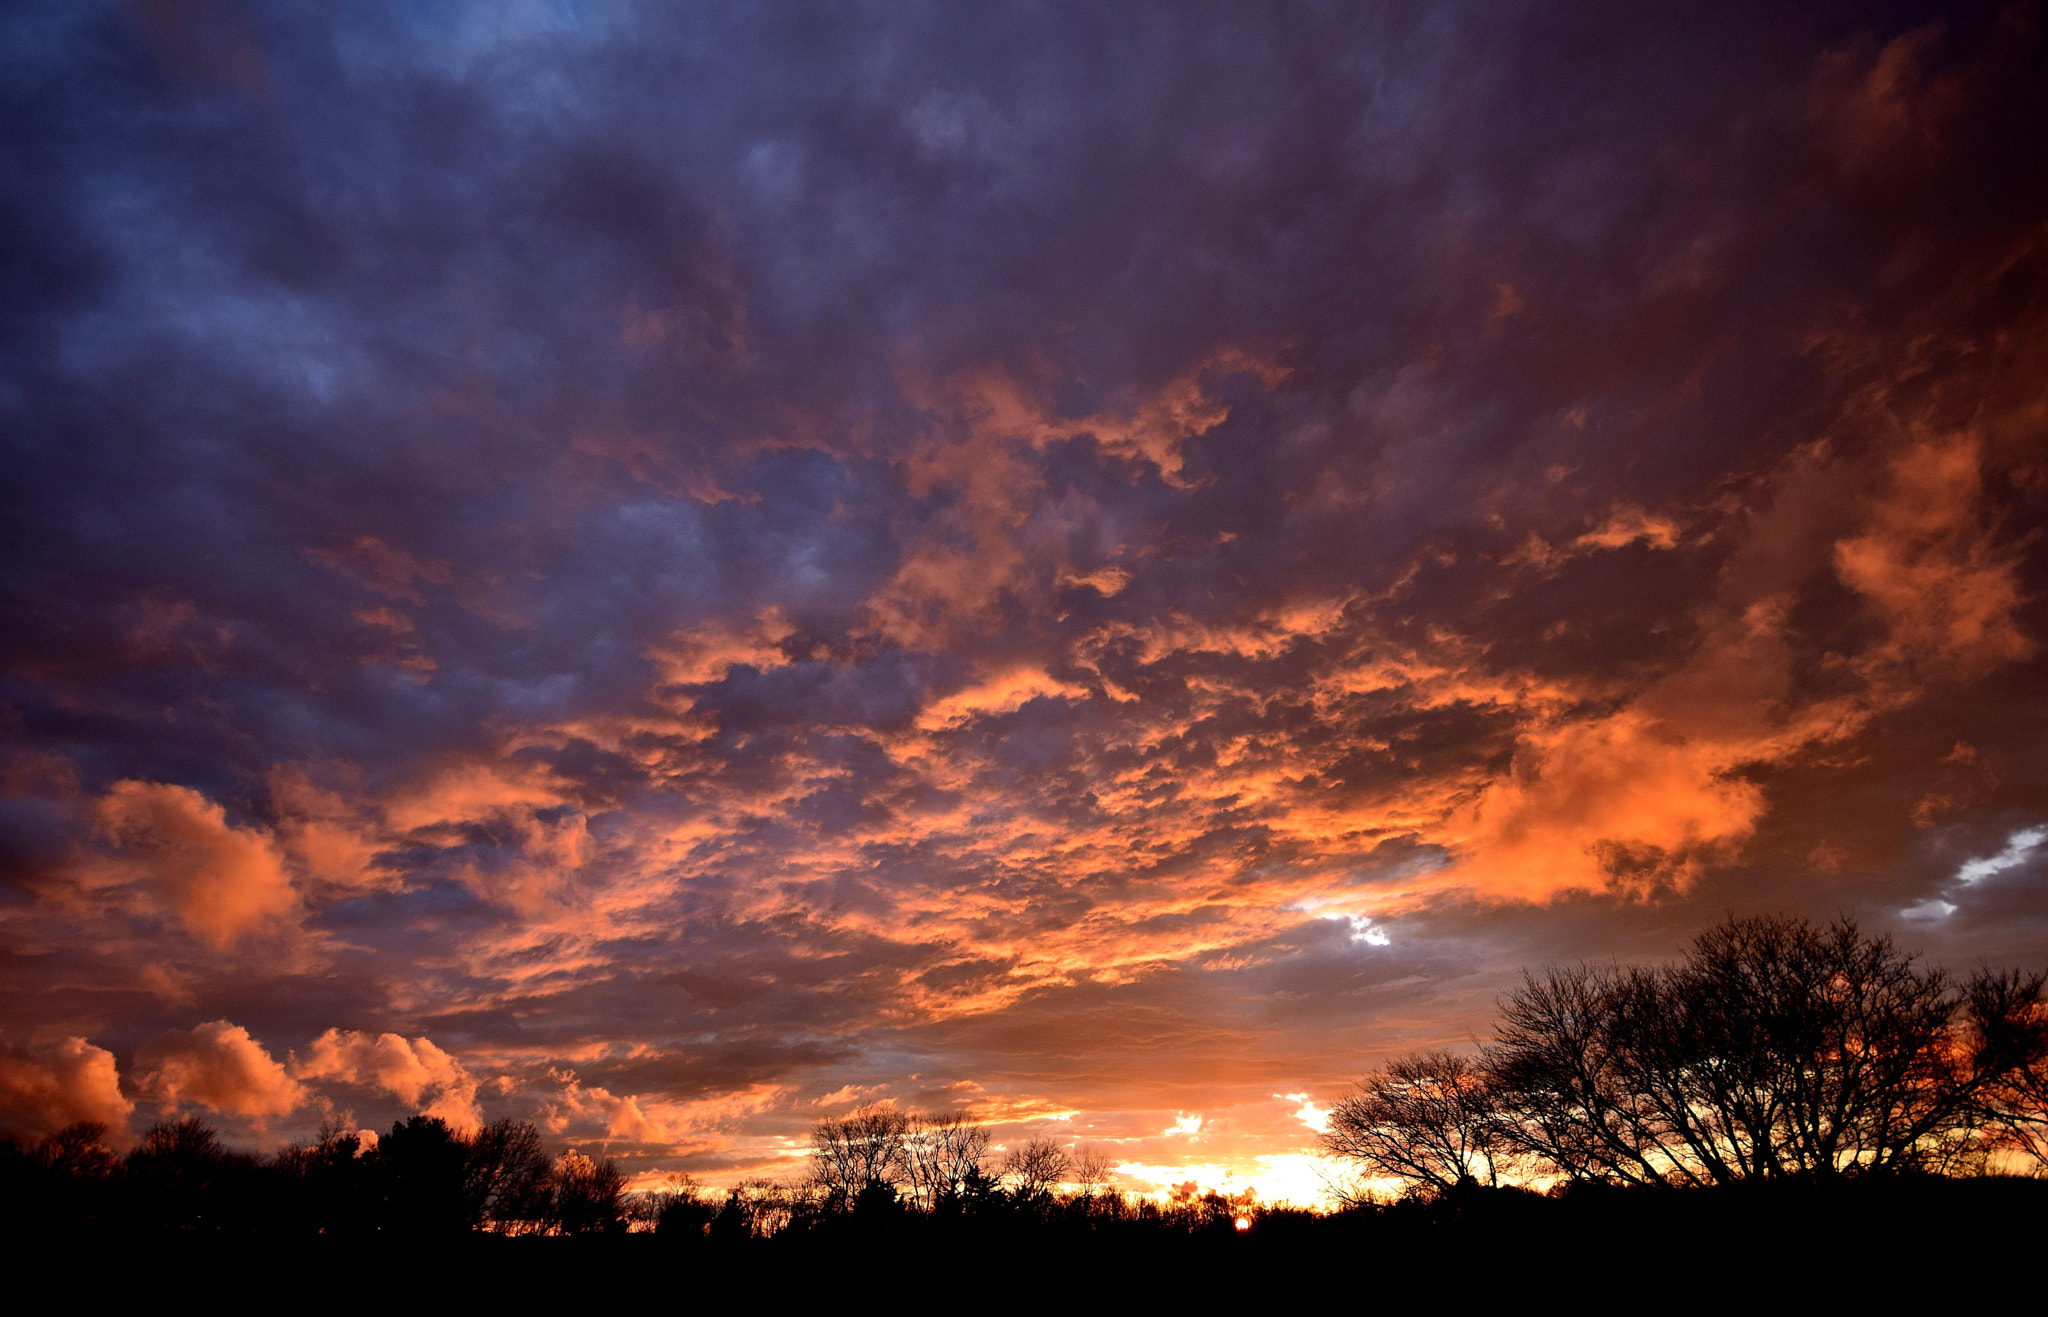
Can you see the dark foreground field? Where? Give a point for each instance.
(1742, 1246)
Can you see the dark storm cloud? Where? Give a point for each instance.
(672, 571)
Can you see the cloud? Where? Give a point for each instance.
(408, 1070)
(324, 834)
(1308, 1113)
(43, 1089)
(2018, 847)
(1617, 799)
(591, 1112)
(1930, 569)
(218, 1066)
(707, 652)
(1624, 526)
(223, 882)
(1001, 694)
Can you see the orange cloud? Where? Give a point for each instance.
(1884, 112)
(43, 1089)
(224, 883)
(1003, 693)
(473, 791)
(582, 1111)
(326, 837)
(219, 1066)
(986, 431)
(1625, 525)
(709, 651)
(1929, 568)
(408, 1070)
(1590, 803)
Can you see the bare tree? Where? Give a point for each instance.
(758, 1208)
(589, 1196)
(175, 1173)
(71, 1172)
(1556, 1084)
(1426, 1119)
(1778, 1048)
(866, 1147)
(76, 1152)
(506, 1178)
(1035, 1168)
(1772, 1048)
(1092, 1170)
(680, 1209)
(940, 1154)
(325, 1186)
(2008, 1030)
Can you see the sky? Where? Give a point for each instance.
(670, 571)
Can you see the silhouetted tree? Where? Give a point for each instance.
(1776, 1047)
(1772, 1048)
(1035, 1168)
(681, 1210)
(422, 1172)
(1427, 1119)
(1563, 1098)
(589, 1196)
(939, 1153)
(758, 1208)
(180, 1177)
(506, 1183)
(1091, 1171)
(1191, 1209)
(979, 1194)
(733, 1223)
(865, 1147)
(60, 1182)
(2008, 1025)
(877, 1203)
(77, 1152)
(325, 1188)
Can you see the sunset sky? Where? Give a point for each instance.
(671, 570)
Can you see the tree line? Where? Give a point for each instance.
(426, 1179)
(1772, 1049)
(423, 1179)
(879, 1166)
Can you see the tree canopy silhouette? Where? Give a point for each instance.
(1429, 1119)
(1771, 1048)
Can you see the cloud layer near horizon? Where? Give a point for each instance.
(669, 575)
